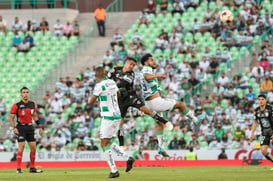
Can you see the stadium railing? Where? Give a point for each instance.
(34, 3)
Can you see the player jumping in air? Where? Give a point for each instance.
(124, 77)
(153, 100)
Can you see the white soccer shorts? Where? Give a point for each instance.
(160, 105)
(109, 128)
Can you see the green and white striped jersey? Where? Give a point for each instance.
(106, 92)
(149, 87)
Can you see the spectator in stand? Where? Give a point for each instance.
(183, 46)
(195, 26)
(228, 3)
(3, 25)
(223, 154)
(24, 46)
(136, 40)
(29, 39)
(193, 80)
(93, 147)
(186, 86)
(47, 141)
(44, 25)
(208, 14)
(243, 81)
(108, 59)
(76, 29)
(81, 146)
(213, 66)
(58, 29)
(3, 147)
(100, 16)
(68, 30)
(264, 62)
(118, 39)
(223, 80)
(267, 85)
(17, 25)
(251, 96)
(218, 91)
(28, 27)
(178, 7)
(3, 107)
(191, 3)
(204, 64)
(143, 19)
(143, 50)
(16, 40)
(243, 40)
(238, 133)
(151, 7)
(160, 43)
(219, 132)
(163, 6)
(179, 27)
(59, 140)
(122, 53)
(136, 55)
(229, 92)
(173, 145)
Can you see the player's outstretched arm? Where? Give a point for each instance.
(253, 129)
(92, 100)
(153, 76)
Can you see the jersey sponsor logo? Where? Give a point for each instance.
(22, 105)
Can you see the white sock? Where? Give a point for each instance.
(119, 151)
(110, 160)
(160, 139)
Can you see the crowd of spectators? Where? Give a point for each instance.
(23, 34)
(225, 126)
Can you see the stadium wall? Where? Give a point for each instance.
(175, 155)
(91, 5)
(36, 14)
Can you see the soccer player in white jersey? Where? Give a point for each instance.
(106, 92)
(153, 99)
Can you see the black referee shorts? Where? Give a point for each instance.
(26, 132)
(130, 100)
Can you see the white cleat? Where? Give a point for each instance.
(191, 116)
(169, 126)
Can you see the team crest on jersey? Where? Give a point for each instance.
(23, 112)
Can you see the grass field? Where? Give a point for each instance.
(207, 173)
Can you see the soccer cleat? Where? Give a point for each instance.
(114, 175)
(169, 126)
(191, 116)
(34, 170)
(130, 163)
(163, 153)
(19, 171)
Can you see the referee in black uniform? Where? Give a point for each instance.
(264, 117)
(25, 111)
(124, 77)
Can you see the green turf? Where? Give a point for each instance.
(208, 173)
